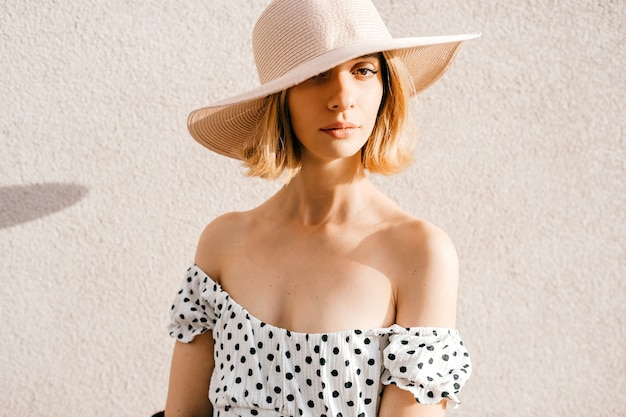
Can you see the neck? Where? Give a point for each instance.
(325, 194)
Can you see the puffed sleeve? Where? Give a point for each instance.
(193, 311)
(431, 363)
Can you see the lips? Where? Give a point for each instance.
(340, 126)
(339, 130)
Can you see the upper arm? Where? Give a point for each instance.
(426, 289)
(192, 363)
(426, 294)
(397, 402)
(190, 375)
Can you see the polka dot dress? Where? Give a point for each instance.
(263, 370)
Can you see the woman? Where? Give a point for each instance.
(327, 299)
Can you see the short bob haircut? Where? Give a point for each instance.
(275, 152)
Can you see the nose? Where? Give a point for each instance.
(341, 94)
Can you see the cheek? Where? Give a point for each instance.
(379, 94)
(374, 103)
(296, 104)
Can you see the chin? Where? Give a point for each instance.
(340, 149)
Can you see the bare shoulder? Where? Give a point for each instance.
(427, 277)
(428, 244)
(217, 241)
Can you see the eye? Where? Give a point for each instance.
(365, 71)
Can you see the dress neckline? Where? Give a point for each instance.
(379, 331)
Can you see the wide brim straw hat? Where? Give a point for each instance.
(294, 40)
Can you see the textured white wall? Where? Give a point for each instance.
(103, 193)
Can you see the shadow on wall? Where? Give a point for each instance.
(23, 203)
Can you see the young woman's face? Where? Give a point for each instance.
(333, 114)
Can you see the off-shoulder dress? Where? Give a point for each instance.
(267, 371)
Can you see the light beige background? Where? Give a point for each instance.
(103, 193)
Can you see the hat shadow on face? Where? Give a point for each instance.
(24, 203)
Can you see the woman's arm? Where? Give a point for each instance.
(426, 293)
(192, 363)
(397, 402)
(190, 374)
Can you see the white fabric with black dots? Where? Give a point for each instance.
(263, 370)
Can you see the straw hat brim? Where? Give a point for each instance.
(227, 125)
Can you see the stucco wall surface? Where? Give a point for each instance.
(103, 193)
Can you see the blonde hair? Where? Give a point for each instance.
(275, 152)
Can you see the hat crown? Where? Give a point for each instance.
(290, 33)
